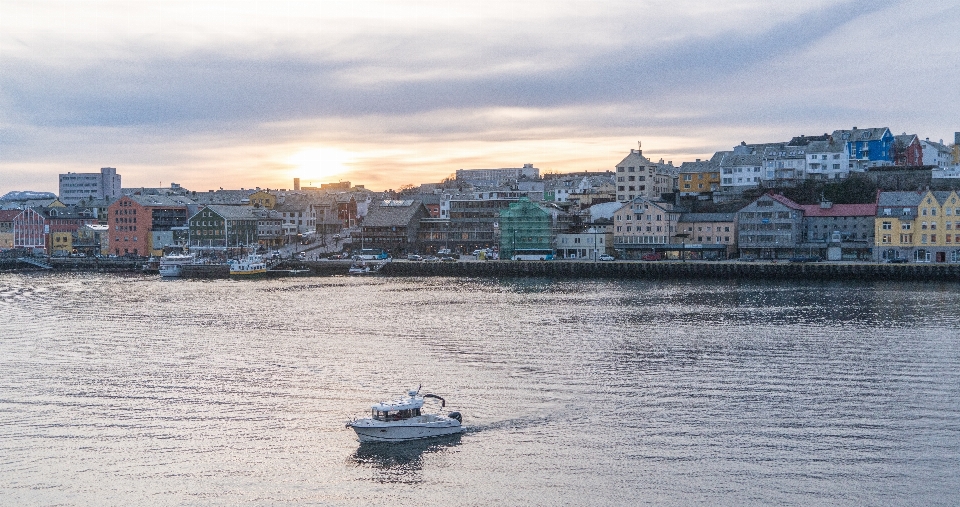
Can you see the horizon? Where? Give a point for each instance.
(245, 94)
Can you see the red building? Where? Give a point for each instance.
(134, 218)
(907, 150)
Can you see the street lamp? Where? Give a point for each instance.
(683, 244)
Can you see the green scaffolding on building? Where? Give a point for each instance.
(524, 226)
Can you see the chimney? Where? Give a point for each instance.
(296, 183)
(698, 160)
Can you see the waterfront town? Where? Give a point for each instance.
(861, 194)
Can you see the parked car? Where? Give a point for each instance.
(806, 258)
(447, 259)
(431, 258)
(651, 257)
(605, 257)
(897, 260)
(414, 257)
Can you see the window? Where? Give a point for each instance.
(887, 226)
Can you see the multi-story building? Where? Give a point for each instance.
(62, 224)
(75, 187)
(918, 226)
(708, 235)
(770, 227)
(784, 164)
(92, 240)
(646, 226)
(936, 153)
(696, 178)
(133, 218)
(299, 217)
(738, 171)
(6, 228)
(907, 150)
(827, 160)
(637, 176)
(872, 147)
(393, 225)
(468, 221)
(269, 228)
(30, 230)
(838, 231)
(525, 227)
(224, 226)
(589, 244)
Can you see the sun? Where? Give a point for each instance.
(319, 164)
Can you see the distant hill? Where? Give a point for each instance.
(27, 195)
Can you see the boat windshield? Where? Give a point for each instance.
(395, 415)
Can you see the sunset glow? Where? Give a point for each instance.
(318, 165)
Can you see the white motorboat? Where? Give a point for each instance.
(403, 419)
(251, 265)
(172, 265)
(359, 268)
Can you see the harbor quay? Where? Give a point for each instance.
(732, 270)
(729, 270)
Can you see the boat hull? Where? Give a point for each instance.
(400, 433)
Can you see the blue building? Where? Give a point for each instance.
(867, 148)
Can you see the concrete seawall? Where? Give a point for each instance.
(565, 269)
(681, 270)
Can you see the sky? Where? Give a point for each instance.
(241, 94)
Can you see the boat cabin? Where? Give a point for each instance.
(398, 410)
(395, 415)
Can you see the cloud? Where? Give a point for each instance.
(191, 85)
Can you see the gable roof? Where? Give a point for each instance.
(854, 135)
(900, 199)
(840, 210)
(8, 215)
(166, 201)
(391, 213)
(232, 212)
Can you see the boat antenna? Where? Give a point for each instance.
(419, 387)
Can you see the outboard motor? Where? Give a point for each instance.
(455, 415)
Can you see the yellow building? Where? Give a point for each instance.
(263, 199)
(918, 226)
(698, 177)
(61, 243)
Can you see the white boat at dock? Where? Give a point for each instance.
(403, 419)
(172, 265)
